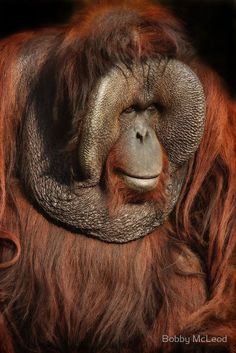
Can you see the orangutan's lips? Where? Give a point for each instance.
(141, 183)
(120, 171)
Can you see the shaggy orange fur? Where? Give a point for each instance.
(62, 292)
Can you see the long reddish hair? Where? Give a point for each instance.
(65, 290)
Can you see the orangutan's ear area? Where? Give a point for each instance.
(117, 189)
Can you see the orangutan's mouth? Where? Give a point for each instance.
(141, 183)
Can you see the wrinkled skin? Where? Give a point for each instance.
(156, 105)
(138, 148)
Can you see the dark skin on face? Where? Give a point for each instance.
(138, 148)
(132, 111)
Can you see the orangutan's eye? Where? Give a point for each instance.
(130, 110)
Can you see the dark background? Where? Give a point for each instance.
(210, 23)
